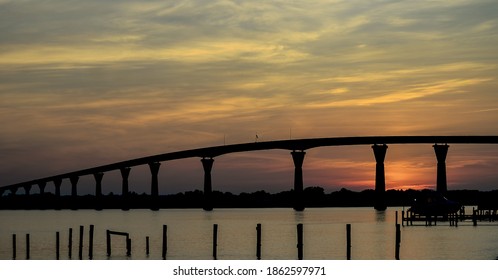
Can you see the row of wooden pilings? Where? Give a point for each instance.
(57, 244)
(109, 233)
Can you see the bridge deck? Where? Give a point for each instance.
(296, 144)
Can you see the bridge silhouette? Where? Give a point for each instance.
(296, 146)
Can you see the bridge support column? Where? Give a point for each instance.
(441, 152)
(98, 190)
(57, 184)
(125, 173)
(380, 179)
(154, 185)
(74, 184)
(98, 184)
(74, 192)
(42, 186)
(298, 158)
(27, 189)
(207, 164)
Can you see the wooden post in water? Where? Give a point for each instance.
(474, 217)
(348, 241)
(128, 246)
(108, 242)
(300, 244)
(147, 245)
(215, 241)
(80, 247)
(398, 241)
(90, 243)
(165, 241)
(258, 241)
(70, 243)
(396, 217)
(27, 246)
(57, 246)
(14, 247)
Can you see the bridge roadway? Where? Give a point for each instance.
(298, 146)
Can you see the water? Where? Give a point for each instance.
(190, 233)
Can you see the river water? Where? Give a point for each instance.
(190, 234)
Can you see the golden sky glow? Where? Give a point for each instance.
(85, 83)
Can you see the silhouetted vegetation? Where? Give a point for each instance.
(312, 197)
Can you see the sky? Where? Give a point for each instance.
(88, 83)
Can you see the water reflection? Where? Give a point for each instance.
(190, 234)
(380, 216)
(299, 216)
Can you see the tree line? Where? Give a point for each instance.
(311, 196)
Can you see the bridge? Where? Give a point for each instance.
(296, 146)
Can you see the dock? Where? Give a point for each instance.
(478, 215)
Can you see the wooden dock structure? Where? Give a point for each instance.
(409, 218)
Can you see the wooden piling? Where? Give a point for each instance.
(396, 217)
(474, 217)
(147, 246)
(300, 244)
(14, 247)
(128, 246)
(70, 243)
(258, 241)
(108, 242)
(398, 241)
(90, 243)
(57, 246)
(80, 247)
(348, 241)
(215, 241)
(165, 241)
(27, 246)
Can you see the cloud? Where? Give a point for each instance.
(103, 81)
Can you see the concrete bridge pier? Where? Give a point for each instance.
(98, 189)
(380, 179)
(441, 152)
(298, 158)
(42, 186)
(125, 173)
(13, 191)
(207, 164)
(74, 185)
(27, 189)
(74, 192)
(57, 184)
(98, 184)
(154, 185)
